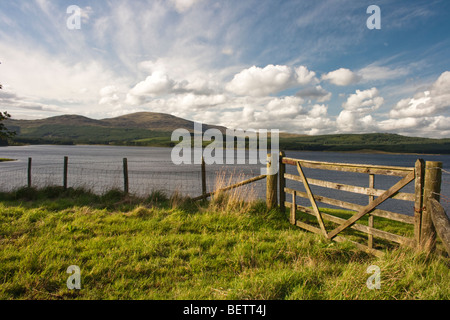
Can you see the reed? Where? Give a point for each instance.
(238, 200)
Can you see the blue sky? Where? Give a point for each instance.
(309, 67)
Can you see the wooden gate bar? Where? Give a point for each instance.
(350, 188)
(394, 189)
(311, 199)
(356, 207)
(240, 184)
(360, 246)
(359, 227)
(348, 167)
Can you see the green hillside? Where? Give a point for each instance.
(381, 142)
(155, 129)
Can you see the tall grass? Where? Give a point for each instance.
(166, 247)
(237, 200)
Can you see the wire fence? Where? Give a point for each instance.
(144, 177)
(444, 197)
(141, 177)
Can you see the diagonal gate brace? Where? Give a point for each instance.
(312, 200)
(373, 204)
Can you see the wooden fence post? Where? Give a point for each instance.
(29, 172)
(66, 167)
(272, 183)
(432, 189)
(292, 218)
(418, 201)
(371, 222)
(204, 179)
(282, 181)
(125, 175)
(441, 222)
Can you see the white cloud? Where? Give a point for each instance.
(373, 73)
(283, 108)
(425, 103)
(51, 83)
(184, 5)
(271, 79)
(342, 77)
(86, 14)
(355, 115)
(318, 111)
(261, 81)
(108, 96)
(156, 84)
(363, 101)
(304, 76)
(316, 93)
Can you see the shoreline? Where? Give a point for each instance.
(361, 151)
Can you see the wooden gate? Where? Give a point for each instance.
(338, 225)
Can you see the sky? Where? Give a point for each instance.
(300, 66)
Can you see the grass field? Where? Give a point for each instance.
(170, 249)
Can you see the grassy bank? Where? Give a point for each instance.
(169, 248)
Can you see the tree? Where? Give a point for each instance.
(5, 134)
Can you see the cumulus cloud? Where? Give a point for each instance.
(315, 93)
(354, 116)
(363, 101)
(318, 111)
(283, 108)
(157, 83)
(426, 103)
(305, 76)
(271, 79)
(341, 77)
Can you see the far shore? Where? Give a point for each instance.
(361, 151)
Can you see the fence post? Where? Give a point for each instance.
(203, 178)
(29, 172)
(272, 183)
(371, 222)
(418, 202)
(432, 189)
(66, 166)
(125, 175)
(282, 181)
(292, 218)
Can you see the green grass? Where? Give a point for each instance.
(169, 248)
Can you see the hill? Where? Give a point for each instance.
(372, 142)
(142, 129)
(155, 129)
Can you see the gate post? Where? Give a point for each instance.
(432, 189)
(418, 201)
(282, 181)
(271, 180)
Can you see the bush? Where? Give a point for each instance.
(26, 193)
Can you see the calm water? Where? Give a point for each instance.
(100, 168)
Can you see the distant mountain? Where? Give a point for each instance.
(155, 129)
(142, 128)
(143, 120)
